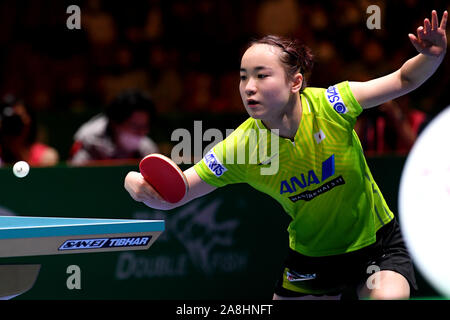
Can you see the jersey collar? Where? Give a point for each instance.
(306, 109)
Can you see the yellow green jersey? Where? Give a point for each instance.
(320, 178)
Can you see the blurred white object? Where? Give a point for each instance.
(424, 202)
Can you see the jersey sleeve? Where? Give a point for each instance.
(340, 104)
(219, 168)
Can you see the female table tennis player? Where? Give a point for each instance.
(341, 224)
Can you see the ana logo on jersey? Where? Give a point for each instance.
(328, 170)
(336, 100)
(302, 182)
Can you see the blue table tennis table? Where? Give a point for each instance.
(35, 236)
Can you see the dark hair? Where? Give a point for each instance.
(295, 56)
(127, 102)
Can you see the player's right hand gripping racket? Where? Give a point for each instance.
(164, 176)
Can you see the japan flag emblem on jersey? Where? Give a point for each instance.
(319, 136)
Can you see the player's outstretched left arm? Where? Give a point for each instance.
(431, 43)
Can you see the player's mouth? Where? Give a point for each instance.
(252, 103)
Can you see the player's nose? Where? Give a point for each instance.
(250, 87)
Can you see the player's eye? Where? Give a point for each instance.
(262, 76)
(243, 77)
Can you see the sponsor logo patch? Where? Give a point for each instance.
(304, 180)
(80, 244)
(214, 165)
(309, 195)
(295, 277)
(335, 99)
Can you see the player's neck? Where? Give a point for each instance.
(288, 121)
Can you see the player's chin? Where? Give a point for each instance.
(255, 112)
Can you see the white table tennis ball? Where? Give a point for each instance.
(21, 169)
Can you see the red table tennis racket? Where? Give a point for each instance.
(164, 176)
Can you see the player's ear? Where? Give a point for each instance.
(297, 82)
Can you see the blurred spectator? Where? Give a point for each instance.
(18, 136)
(118, 133)
(186, 53)
(122, 75)
(100, 25)
(390, 128)
(278, 17)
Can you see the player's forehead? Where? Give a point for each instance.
(261, 55)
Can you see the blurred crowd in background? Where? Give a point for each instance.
(185, 56)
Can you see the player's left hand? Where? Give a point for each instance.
(431, 39)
